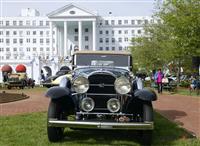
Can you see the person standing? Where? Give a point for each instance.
(159, 77)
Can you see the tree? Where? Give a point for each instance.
(174, 40)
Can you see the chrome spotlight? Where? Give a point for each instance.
(113, 105)
(81, 84)
(122, 85)
(87, 104)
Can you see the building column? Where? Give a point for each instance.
(56, 40)
(94, 35)
(65, 39)
(80, 35)
(51, 38)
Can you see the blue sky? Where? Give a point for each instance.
(103, 7)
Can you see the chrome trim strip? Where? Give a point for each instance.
(107, 85)
(101, 94)
(111, 114)
(101, 125)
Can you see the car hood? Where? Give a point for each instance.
(87, 71)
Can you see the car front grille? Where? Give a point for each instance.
(101, 90)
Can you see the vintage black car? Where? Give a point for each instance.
(102, 93)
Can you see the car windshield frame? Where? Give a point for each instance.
(115, 60)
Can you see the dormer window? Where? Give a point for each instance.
(72, 12)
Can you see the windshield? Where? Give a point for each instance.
(102, 60)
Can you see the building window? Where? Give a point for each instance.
(7, 49)
(76, 30)
(86, 47)
(47, 33)
(75, 38)
(139, 31)
(7, 23)
(113, 22)
(126, 39)
(1, 49)
(41, 33)
(86, 30)
(86, 38)
(34, 32)
(7, 33)
(146, 21)
(28, 33)
(47, 23)
(100, 40)
(107, 32)
(1, 32)
(139, 22)
(20, 23)
(21, 41)
(47, 41)
(101, 48)
(15, 49)
(120, 48)
(1, 23)
(125, 21)
(100, 32)
(125, 31)
(113, 48)
(34, 23)
(1, 40)
(14, 23)
(119, 22)
(14, 41)
(20, 33)
(28, 23)
(41, 23)
(107, 40)
(107, 48)
(106, 22)
(47, 49)
(34, 49)
(7, 41)
(14, 32)
(28, 49)
(119, 39)
(133, 22)
(113, 32)
(113, 40)
(41, 41)
(28, 40)
(133, 31)
(34, 41)
(41, 49)
(119, 32)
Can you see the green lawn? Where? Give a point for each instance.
(185, 91)
(30, 130)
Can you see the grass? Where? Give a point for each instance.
(185, 91)
(30, 130)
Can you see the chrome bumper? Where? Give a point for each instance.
(101, 125)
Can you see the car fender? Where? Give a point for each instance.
(145, 94)
(58, 92)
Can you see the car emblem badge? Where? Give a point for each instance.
(101, 85)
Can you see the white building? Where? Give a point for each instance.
(48, 42)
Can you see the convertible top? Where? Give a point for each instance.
(104, 52)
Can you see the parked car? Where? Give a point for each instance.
(55, 80)
(101, 94)
(17, 80)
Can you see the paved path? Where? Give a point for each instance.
(184, 110)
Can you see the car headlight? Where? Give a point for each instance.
(113, 105)
(81, 84)
(87, 104)
(122, 85)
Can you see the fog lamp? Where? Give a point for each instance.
(87, 104)
(113, 105)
